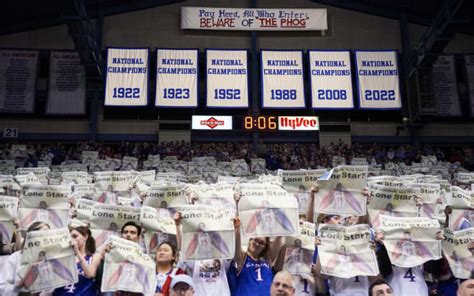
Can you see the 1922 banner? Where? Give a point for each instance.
(227, 78)
(48, 261)
(455, 248)
(411, 241)
(282, 79)
(378, 80)
(248, 19)
(18, 80)
(127, 268)
(177, 78)
(208, 233)
(341, 191)
(331, 80)
(127, 77)
(67, 84)
(345, 251)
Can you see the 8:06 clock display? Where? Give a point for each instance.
(260, 123)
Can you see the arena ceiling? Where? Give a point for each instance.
(24, 15)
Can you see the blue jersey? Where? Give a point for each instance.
(254, 278)
(84, 287)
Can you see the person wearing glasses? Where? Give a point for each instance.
(254, 267)
(282, 284)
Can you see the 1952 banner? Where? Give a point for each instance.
(248, 19)
(411, 241)
(455, 248)
(331, 80)
(341, 191)
(48, 261)
(227, 78)
(8, 211)
(208, 233)
(282, 79)
(378, 80)
(67, 84)
(127, 77)
(127, 268)
(18, 80)
(267, 211)
(345, 251)
(177, 78)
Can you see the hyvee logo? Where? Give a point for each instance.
(212, 122)
(302, 123)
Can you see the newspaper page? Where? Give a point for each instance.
(257, 165)
(460, 258)
(171, 195)
(107, 220)
(160, 227)
(300, 249)
(114, 181)
(208, 233)
(432, 206)
(341, 191)
(462, 198)
(345, 251)
(411, 241)
(44, 203)
(127, 268)
(48, 261)
(391, 201)
(84, 208)
(267, 211)
(460, 219)
(8, 211)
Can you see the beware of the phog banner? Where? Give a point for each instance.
(227, 80)
(331, 81)
(377, 76)
(176, 78)
(282, 79)
(127, 77)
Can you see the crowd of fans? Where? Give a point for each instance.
(255, 269)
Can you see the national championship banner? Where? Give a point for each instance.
(345, 251)
(391, 201)
(455, 249)
(378, 80)
(67, 84)
(208, 233)
(177, 78)
(8, 212)
(44, 203)
(251, 19)
(331, 79)
(469, 62)
(47, 261)
(341, 191)
(18, 70)
(300, 249)
(267, 212)
(411, 241)
(445, 87)
(282, 79)
(160, 227)
(227, 78)
(127, 268)
(127, 77)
